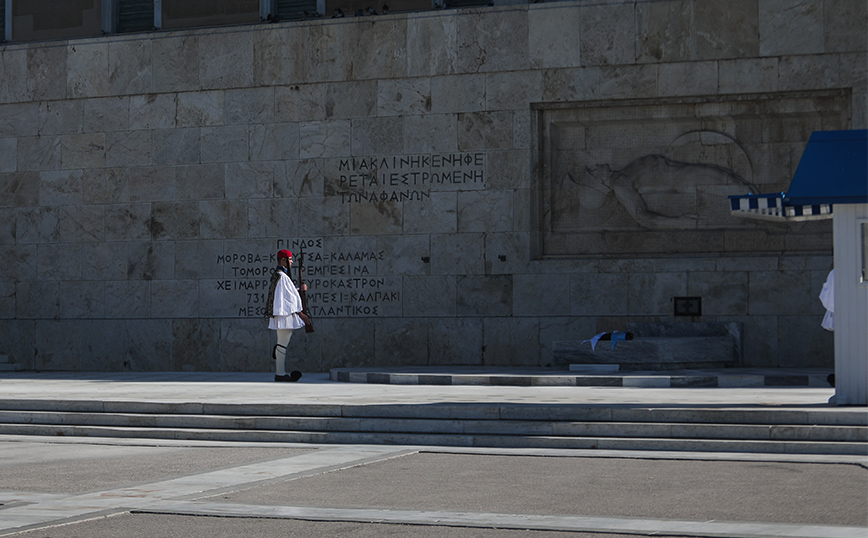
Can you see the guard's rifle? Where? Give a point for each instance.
(305, 312)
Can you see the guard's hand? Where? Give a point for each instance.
(303, 287)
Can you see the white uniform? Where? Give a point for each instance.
(287, 303)
(827, 297)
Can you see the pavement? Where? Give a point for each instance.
(63, 487)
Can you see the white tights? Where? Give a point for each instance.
(283, 336)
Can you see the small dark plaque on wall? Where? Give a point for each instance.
(688, 306)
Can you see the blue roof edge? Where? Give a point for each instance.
(833, 170)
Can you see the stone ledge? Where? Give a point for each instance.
(723, 378)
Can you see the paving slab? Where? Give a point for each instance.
(195, 389)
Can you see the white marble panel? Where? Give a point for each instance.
(458, 93)
(7, 305)
(102, 346)
(790, 27)
(127, 222)
(224, 144)
(322, 216)
(485, 211)
(665, 32)
(727, 30)
(150, 260)
(19, 262)
(398, 97)
(513, 90)
(83, 151)
(39, 153)
(270, 217)
(13, 85)
(750, 75)
(174, 220)
(226, 60)
(688, 78)
(384, 42)
(47, 72)
(176, 63)
(400, 342)
(198, 259)
(376, 217)
(508, 253)
(485, 295)
(81, 224)
(299, 178)
(436, 214)
(200, 181)
(196, 109)
(19, 120)
(432, 45)
(127, 298)
(249, 180)
(845, 23)
(630, 81)
(599, 294)
(809, 72)
(429, 296)
(493, 40)
(87, 73)
(430, 133)
(61, 117)
(82, 300)
(60, 187)
(128, 148)
(378, 136)
(103, 261)
(651, 294)
(48, 268)
(59, 345)
(511, 341)
(248, 105)
(148, 345)
(153, 111)
(176, 146)
(485, 130)
(403, 254)
(541, 295)
(455, 341)
(151, 183)
(8, 154)
(8, 225)
(222, 219)
(324, 139)
(554, 37)
(271, 66)
(130, 67)
(296, 103)
(353, 99)
(458, 254)
(608, 34)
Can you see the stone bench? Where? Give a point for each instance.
(660, 346)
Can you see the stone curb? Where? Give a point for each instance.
(633, 380)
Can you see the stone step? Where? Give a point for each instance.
(438, 439)
(591, 376)
(834, 416)
(780, 432)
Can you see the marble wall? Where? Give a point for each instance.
(147, 180)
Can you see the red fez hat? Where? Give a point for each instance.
(284, 254)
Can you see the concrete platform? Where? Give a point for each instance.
(423, 385)
(589, 376)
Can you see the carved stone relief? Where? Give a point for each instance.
(652, 177)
